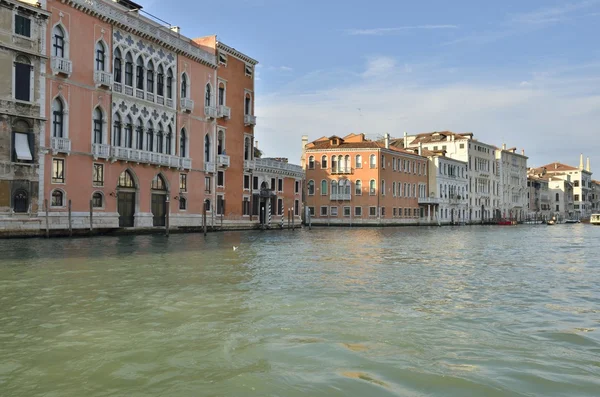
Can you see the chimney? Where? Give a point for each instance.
(405, 140)
(556, 165)
(581, 161)
(504, 146)
(523, 152)
(588, 168)
(420, 148)
(175, 29)
(387, 140)
(256, 144)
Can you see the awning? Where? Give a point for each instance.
(22, 147)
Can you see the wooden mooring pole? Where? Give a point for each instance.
(91, 216)
(47, 221)
(167, 220)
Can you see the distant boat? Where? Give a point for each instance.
(572, 221)
(506, 222)
(595, 219)
(533, 222)
(551, 222)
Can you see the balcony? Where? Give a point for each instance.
(340, 196)
(61, 66)
(223, 160)
(185, 163)
(60, 145)
(102, 78)
(224, 112)
(429, 200)
(187, 105)
(342, 171)
(100, 150)
(142, 156)
(209, 167)
(249, 119)
(249, 165)
(210, 112)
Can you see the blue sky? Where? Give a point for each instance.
(524, 73)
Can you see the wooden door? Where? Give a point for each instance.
(159, 209)
(126, 208)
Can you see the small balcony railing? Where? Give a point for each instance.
(249, 119)
(342, 171)
(142, 156)
(185, 163)
(249, 165)
(209, 167)
(102, 78)
(187, 105)
(60, 145)
(210, 112)
(340, 196)
(224, 111)
(62, 66)
(223, 160)
(100, 150)
(429, 200)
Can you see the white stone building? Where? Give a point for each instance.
(512, 167)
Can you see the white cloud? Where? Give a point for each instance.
(387, 31)
(379, 66)
(553, 14)
(550, 118)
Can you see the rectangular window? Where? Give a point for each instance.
(416, 212)
(296, 207)
(255, 183)
(223, 59)
(246, 182)
(323, 211)
(183, 182)
(98, 175)
(382, 211)
(246, 206)
(372, 211)
(382, 161)
(23, 81)
(334, 211)
(220, 205)
(273, 184)
(297, 187)
(207, 184)
(357, 211)
(22, 26)
(280, 185)
(23, 147)
(394, 210)
(311, 211)
(576, 197)
(248, 70)
(346, 211)
(279, 206)
(58, 171)
(400, 212)
(220, 178)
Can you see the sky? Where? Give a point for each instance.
(521, 72)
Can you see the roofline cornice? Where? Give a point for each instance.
(146, 29)
(25, 6)
(233, 52)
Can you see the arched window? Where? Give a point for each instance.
(150, 77)
(150, 137)
(23, 78)
(118, 66)
(221, 142)
(126, 180)
(58, 198)
(334, 164)
(206, 147)
(182, 203)
(358, 187)
(158, 183)
(207, 95)
(98, 125)
(248, 104)
(100, 56)
(311, 188)
(139, 72)
(169, 84)
(182, 143)
(347, 165)
(557, 197)
(139, 135)
(97, 200)
(324, 187)
(221, 94)
(341, 163)
(159, 138)
(58, 128)
(347, 188)
(184, 86)
(358, 161)
(128, 133)
(128, 70)
(324, 162)
(58, 42)
(372, 187)
(20, 201)
(160, 81)
(311, 163)
(373, 161)
(117, 126)
(334, 187)
(169, 141)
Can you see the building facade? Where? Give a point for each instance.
(23, 28)
(355, 181)
(561, 195)
(539, 206)
(512, 168)
(595, 197)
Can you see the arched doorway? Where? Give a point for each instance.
(126, 199)
(20, 201)
(159, 201)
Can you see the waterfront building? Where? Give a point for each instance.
(581, 179)
(22, 30)
(353, 180)
(538, 193)
(512, 168)
(561, 195)
(595, 196)
(448, 186)
(483, 173)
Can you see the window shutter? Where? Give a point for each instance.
(22, 81)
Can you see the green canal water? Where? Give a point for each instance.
(468, 311)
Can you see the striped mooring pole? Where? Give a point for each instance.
(269, 222)
(282, 219)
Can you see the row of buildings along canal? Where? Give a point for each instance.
(112, 120)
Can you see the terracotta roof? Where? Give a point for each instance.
(439, 136)
(323, 145)
(558, 167)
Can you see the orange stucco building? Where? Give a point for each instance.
(356, 181)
